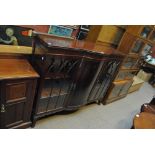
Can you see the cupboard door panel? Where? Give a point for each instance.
(52, 103)
(42, 105)
(15, 92)
(15, 114)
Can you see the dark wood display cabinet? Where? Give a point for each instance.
(72, 73)
(17, 91)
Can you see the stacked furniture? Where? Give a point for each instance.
(17, 91)
(72, 73)
(136, 42)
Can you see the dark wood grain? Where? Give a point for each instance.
(73, 74)
(17, 91)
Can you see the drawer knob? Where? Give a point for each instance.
(2, 108)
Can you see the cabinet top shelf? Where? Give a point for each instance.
(75, 45)
(16, 68)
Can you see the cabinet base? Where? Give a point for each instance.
(22, 126)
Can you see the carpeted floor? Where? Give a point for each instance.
(117, 115)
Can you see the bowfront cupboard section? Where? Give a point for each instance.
(17, 91)
(73, 73)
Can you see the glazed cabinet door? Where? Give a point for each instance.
(59, 83)
(89, 69)
(104, 80)
(16, 102)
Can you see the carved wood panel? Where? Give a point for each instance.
(17, 100)
(15, 92)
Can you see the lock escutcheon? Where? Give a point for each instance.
(2, 108)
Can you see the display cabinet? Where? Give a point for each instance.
(72, 73)
(136, 43)
(17, 91)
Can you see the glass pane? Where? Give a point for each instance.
(126, 87)
(130, 75)
(116, 90)
(46, 89)
(146, 50)
(137, 46)
(120, 76)
(129, 63)
(146, 31)
(152, 37)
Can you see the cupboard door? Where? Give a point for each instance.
(116, 90)
(89, 70)
(59, 83)
(103, 80)
(17, 99)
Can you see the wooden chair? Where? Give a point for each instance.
(149, 107)
(144, 120)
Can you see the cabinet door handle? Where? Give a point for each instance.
(2, 108)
